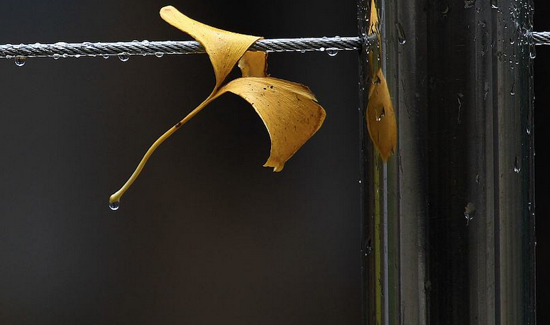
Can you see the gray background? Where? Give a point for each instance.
(206, 235)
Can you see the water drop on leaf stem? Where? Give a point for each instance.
(114, 205)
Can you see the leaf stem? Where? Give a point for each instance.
(117, 195)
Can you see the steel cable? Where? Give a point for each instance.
(160, 48)
(541, 38)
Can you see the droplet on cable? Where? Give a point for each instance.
(124, 57)
(20, 60)
(159, 54)
(332, 51)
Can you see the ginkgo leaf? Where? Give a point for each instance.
(275, 98)
(289, 111)
(254, 64)
(374, 56)
(373, 21)
(381, 121)
(224, 48)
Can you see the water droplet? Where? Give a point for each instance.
(332, 51)
(114, 205)
(302, 51)
(517, 167)
(322, 49)
(56, 56)
(65, 55)
(20, 60)
(469, 212)
(124, 57)
(528, 131)
(477, 178)
(159, 54)
(494, 4)
(401, 37)
(368, 251)
(382, 114)
(77, 56)
(532, 51)
(105, 56)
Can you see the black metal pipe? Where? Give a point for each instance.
(450, 218)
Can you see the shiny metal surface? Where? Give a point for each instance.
(448, 227)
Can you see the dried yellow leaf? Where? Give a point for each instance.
(254, 64)
(381, 120)
(224, 48)
(289, 111)
(373, 21)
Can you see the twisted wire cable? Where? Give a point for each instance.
(160, 48)
(541, 38)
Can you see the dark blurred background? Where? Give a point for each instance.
(206, 235)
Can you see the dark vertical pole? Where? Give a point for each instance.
(448, 222)
(365, 190)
